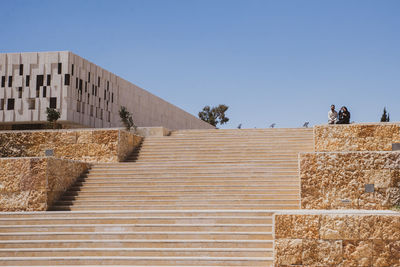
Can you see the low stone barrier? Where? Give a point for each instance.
(89, 145)
(34, 184)
(350, 180)
(356, 137)
(337, 238)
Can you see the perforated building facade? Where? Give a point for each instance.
(85, 94)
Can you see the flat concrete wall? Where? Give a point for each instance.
(34, 184)
(332, 238)
(84, 93)
(89, 145)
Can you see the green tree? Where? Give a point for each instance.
(385, 116)
(214, 115)
(52, 116)
(126, 118)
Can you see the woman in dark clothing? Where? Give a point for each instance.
(344, 116)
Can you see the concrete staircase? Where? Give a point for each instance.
(197, 197)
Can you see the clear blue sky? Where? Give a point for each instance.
(269, 61)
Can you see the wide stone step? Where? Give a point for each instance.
(178, 188)
(191, 174)
(135, 261)
(87, 207)
(137, 243)
(148, 213)
(136, 235)
(193, 165)
(189, 198)
(192, 227)
(179, 184)
(164, 202)
(138, 252)
(197, 163)
(135, 220)
(203, 193)
(172, 171)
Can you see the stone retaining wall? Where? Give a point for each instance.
(356, 137)
(337, 180)
(33, 184)
(341, 239)
(89, 145)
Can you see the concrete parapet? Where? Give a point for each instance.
(152, 131)
(34, 184)
(356, 137)
(350, 180)
(89, 145)
(337, 238)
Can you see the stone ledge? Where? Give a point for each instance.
(35, 183)
(344, 238)
(356, 137)
(90, 145)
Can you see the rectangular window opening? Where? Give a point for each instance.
(44, 93)
(39, 81)
(59, 69)
(76, 82)
(98, 81)
(67, 79)
(1, 104)
(72, 70)
(89, 76)
(53, 102)
(19, 92)
(10, 81)
(10, 104)
(48, 79)
(21, 69)
(28, 80)
(3, 81)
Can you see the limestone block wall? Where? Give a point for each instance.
(321, 238)
(89, 145)
(356, 137)
(337, 180)
(33, 184)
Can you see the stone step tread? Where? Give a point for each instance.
(136, 241)
(133, 249)
(138, 225)
(63, 219)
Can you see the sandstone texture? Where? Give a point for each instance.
(89, 145)
(356, 137)
(352, 239)
(337, 180)
(33, 184)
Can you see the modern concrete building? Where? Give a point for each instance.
(85, 94)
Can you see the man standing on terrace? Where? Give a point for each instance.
(332, 115)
